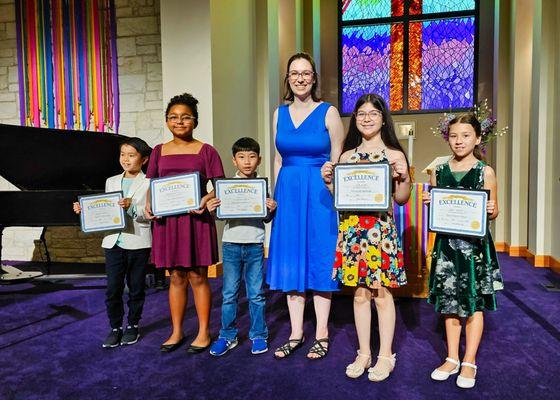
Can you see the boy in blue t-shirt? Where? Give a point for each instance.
(243, 255)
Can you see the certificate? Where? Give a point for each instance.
(458, 211)
(174, 195)
(362, 187)
(101, 212)
(241, 198)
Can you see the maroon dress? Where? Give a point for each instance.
(187, 240)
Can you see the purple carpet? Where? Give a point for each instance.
(51, 334)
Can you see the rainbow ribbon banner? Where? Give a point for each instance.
(67, 64)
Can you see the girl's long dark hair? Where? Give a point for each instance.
(354, 137)
(470, 119)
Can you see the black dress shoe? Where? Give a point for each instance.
(197, 349)
(168, 348)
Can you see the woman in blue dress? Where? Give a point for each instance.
(308, 132)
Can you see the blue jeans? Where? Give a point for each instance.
(243, 259)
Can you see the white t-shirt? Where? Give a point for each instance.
(243, 230)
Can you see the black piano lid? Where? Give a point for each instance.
(56, 159)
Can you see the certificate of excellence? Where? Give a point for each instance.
(241, 198)
(362, 187)
(175, 195)
(101, 212)
(458, 211)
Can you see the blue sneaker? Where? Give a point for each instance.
(222, 346)
(259, 346)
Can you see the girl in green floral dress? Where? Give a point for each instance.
(368, 254)
(464, 273)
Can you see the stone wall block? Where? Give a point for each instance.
(137, 26)
(132, 102)
(148, 39)
(63, 232)
(7, 12)
(7, 110)
(130, 65)
(13, 74)
(11, 32)
(132, 83)
(154, 71)
(146, 49)
(126, 47)
(58, 243)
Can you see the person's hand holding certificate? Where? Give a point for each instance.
(174, 195)
(241, 198)
(458, 211)
(364, 186)
(101, 212)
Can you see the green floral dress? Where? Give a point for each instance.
(465, 274)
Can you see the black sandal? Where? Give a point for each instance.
(319, 349)
(287, 347)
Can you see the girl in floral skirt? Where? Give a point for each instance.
(369, 254)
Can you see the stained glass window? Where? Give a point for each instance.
(373, 63)
(440, 6)
(353, 10)
(382, 38)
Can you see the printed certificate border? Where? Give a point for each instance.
(119, 195)
(262, 181)
(460, 232)
(180, 210)
(388, 185)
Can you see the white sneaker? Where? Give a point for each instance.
(467, 383)
(439, 375)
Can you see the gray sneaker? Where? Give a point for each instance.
(113, 338)
(131, 335)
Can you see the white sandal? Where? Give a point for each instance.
(467, 383)
(354, 370)
(439, 375)
(380, 374)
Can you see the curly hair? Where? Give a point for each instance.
(185, 99)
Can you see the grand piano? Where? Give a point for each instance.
(51, 167)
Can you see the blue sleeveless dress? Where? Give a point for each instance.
(304, 231)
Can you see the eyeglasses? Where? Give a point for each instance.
(307, 75)
(361, 115)
(180, 118)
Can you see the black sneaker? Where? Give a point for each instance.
(130, 335)
(113, 338)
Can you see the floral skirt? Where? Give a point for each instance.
(464, 275)
(368, 252)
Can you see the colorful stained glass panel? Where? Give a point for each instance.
(367, 62)
(365, 9)
(440, 6)
(446, 78)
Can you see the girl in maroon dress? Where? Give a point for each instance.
(186, 244)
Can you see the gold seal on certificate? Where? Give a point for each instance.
(241, 198)
(362, 187)
(459, 212)
(101, 212)
(173, 195)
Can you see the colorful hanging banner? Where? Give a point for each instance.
(67, 60)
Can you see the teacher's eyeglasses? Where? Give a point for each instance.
(307, 75)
